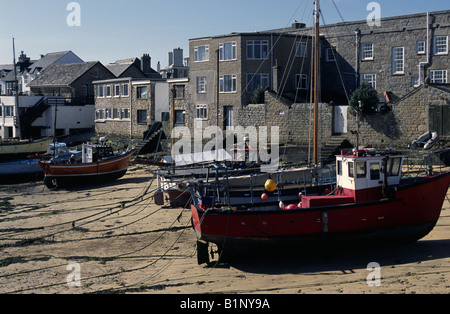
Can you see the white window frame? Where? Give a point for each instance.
(201, 112)
(117, 90)
(367, 52)
(201, 57)
(223, 49)
(229, 80)
(441, 45)
(202, 84)
(100, 91)
(438, 76)
(255, 80)
(108, 91)
(301, 49)
(125, 114)
(369, 78)
(254, 45)
(303, 80)
(415, 81)
(421, 47)
(398, 60)
(125, 90)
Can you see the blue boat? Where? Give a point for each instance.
(28, 168)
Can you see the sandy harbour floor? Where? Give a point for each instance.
(116, 240)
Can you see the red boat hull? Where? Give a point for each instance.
(409, 214)
(86, 173)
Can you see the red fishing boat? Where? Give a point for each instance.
(99, 163)
(371, 201)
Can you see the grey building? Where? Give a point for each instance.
(407, 58)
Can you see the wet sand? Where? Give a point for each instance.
(116, 240)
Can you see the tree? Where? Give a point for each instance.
(368, 98)
(258, 95)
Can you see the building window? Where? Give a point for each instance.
(100, 114)
(367, 51)
(100, 91)
(438, 76)
(398, 60)
(201, 84)
(108, 113)
(227, 51)
(201, 53)
(301, 81)
(142, 116)
(369, 78)
(180, 116)
(302, 49)
(421, 47)
(415, 82)
(179, 91)
(440, 45)
(124, 89)
(142, 92)
(108, 91)
(116, 90)
(257, 49)
(228, 83)
(9, 111)
(257, 80)
(125, 114)
(331, 53)
(116, 113)
(202, 112)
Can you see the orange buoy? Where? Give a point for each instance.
(270, 185)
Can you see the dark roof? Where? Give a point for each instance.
(46, 61)
(62, 74)
(118, 69)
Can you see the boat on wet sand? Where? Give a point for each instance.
(99, 163)
(372, 202)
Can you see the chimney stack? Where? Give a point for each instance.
(146, 63)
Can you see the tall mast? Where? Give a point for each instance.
(16, 96)
(316, 80)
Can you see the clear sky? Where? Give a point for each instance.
(113, 29)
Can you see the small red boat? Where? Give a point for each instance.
(99, 163)
(371, 201)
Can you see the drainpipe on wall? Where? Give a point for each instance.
(131, 108)
(423, 64)
(357, 45)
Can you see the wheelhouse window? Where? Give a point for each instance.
(393, 166)
(361, 171)
(351, 173)
(374, 171)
